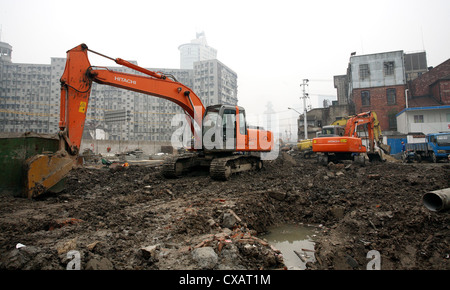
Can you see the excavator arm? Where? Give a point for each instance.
(76, 83)
(373, 127)
(46, 170)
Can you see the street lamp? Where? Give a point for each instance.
(294, 110)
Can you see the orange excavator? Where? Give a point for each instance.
(221, 138)
(361, 137)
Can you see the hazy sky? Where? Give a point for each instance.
(271, 45)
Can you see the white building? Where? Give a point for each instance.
(196, 50)
(424, 119)
(5, 51)
(377, 70)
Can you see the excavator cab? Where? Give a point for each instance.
(332, 131)
(224, 129)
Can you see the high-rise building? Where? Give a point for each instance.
(5, 52)
(215, 83)
(29, 94)
(196, 50)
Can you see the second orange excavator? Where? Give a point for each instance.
(361, 138)
(222, 140)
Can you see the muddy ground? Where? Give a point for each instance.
(137, 219)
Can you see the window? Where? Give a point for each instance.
(391, 96)
(418, 118)
(364, 71)
(242, 126)
(388, 68)
(365, 98)
(392, 119)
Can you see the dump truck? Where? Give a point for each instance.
(436, 147)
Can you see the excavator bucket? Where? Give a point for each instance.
(386, 148)
(44, 171)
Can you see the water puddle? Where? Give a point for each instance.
(295, 241)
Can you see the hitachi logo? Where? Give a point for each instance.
(124, 80)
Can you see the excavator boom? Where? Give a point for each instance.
(76, 83)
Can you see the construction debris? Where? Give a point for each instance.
(137, 219)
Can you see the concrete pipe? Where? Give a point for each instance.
(437, 200)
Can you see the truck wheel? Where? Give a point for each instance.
(418, 158)
(433, 157)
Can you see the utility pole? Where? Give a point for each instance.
(305, 95)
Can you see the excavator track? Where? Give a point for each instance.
(219, 170)
(222, 168)
(177, 165)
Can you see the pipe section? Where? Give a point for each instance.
(437, 200)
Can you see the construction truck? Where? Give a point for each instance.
(361, 138)
(232, 146)
(436, 147)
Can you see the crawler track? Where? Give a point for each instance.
(220, 168)
(179, 164)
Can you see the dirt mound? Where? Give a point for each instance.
(137, 219)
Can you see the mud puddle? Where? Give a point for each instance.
(296, 243)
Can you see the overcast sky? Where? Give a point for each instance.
(271, 45)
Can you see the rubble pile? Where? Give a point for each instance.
(137, 219)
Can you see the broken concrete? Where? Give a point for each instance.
(205, 257)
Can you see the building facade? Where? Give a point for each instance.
(379, 82)
(434, 84)
(215, 83)
(428, 108)
(29, 95)
(424, 120)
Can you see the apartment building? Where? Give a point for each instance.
(28, 94)
(215, 83)
(379, 82)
